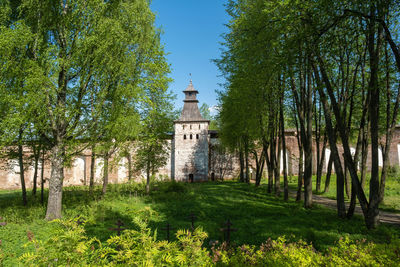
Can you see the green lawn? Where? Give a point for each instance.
(391, 200)
(256, 215)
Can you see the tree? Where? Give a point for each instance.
(83, 54)
(337, 66)
(156, 113)
(206, 114)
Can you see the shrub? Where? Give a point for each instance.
(177, 187)
(271, 253)
(67, 246)
(70, 246)
(1, 255)
(394, 172)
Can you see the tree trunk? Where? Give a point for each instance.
(92, 169)
(300, 175)
(21, 167)
(148, 177)
(105, 172)
(341, 208)
(36, 156)
(241, 160)
(317, 116)
(308, 147)
(342, 130)
(42, 180)
(277, 168)
(328, 174)
(285, 178)
(269, 169)
(129, 158)
(259, 166)
(246, 156)
(372, 216)
(54, 203)
(347, 181)
(364, 155)
(321, 165)
(390, 127)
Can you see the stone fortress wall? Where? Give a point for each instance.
(195, 155)
(226, 165)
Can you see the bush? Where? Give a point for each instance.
(70, 246)
(394, 172)
(271, 253)
(1, 255)
(281, 253)
(172, 186)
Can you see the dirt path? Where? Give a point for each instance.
(385, 217)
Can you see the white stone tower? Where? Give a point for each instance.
(190, 146)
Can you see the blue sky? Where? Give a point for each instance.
(192, 32)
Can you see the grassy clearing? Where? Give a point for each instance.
(390, 203)
(257, 216)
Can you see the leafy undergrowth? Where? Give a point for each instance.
(71, 246)
(257, 216)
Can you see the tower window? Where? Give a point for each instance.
(197, 136)
(190, 127)
(184, 136)
(199, 126)
(191, 136)
(183, 126)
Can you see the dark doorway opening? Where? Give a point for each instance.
(191, 178)
(212, 176)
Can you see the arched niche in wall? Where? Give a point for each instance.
(327, 156)
(98, 174)
(380, 157)
(122, 170)
(78, 171)
(398, 152)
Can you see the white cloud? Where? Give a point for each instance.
(213, 110)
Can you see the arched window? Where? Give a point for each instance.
(183, 126)
(190, 127)
(184, 136)
(199, 126)
(197, 136)
(191, 136)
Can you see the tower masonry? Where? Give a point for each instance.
(191, 141)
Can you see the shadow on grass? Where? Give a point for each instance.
(257, 216)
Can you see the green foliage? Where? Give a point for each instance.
(393, 172)
(280, 252)
(69, 245)
(80, 70)
(173, 187)
(206, 114)
(256, 215)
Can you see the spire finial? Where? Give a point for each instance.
(190, 77)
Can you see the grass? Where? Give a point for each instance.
(256, 215)
(391, 200)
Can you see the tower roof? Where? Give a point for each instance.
(190, 88)
(190, 111)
